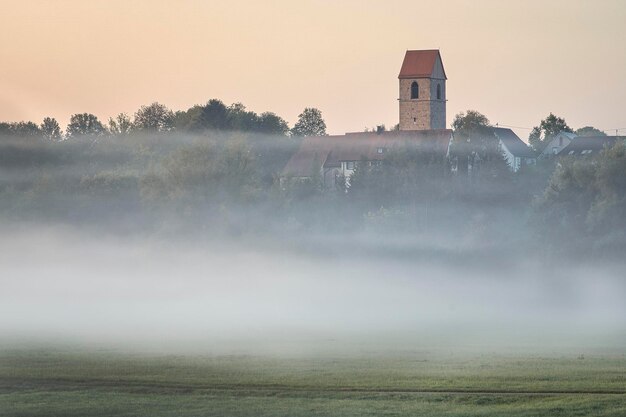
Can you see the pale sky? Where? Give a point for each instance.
(514, 61)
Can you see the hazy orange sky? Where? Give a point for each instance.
(514, 61)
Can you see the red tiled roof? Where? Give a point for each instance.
(418, 64)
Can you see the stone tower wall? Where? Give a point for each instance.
(426, 112)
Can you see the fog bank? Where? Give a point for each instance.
(261, 297)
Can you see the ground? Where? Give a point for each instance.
(53, 382)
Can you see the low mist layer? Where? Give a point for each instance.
(132, 293)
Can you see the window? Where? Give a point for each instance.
(438, 91)
(415, 92)
(350, 165)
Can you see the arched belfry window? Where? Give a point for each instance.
(415, 92)
(438, 91)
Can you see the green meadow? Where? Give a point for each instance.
(40, 382)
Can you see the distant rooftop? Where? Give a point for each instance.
(329, 151)
(584, 145)
(513, 143)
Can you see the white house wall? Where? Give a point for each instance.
(510, 158)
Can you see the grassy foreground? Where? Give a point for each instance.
(55, 383)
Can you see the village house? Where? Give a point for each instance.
(516, 153)
(556, 144)
(330, 158)
(422, 125)
(466, 157)
(569, 144)
(422, 112)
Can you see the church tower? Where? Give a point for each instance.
(422, 91)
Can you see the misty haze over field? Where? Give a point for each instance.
(60, 285)
(183, 242)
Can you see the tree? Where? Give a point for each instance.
(188, 120)
(20, 129)
(589, 131)
(272, 124)
(5, 129)
(205, 173)
(547, 129)
(470, 122)
(474, 142)
(586, 197)
(609, 209)
(85, 124)
(310, 123)
(154, 118)
(241, 119)
(51, 130)
(121, 125)
(214, 115)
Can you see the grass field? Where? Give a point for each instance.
(63, 383)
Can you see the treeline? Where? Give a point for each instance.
(584, 203)
(141, 180)
(227, 184)
(152, 174)
(156, 117)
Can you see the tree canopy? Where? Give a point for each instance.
(310, 123)
(586, 196)
(85, 124)
(20, 129)
(589, 131)
(470, 122)
(50, 129)
(155, 117)
(120, 125)
(272, 124)
(215, 115)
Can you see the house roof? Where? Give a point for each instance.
(366, 145)
(546, 147)
(513, 143)
(583, 145)
(570, 135)
(420, 64)
(329, 151)
(309, 158)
